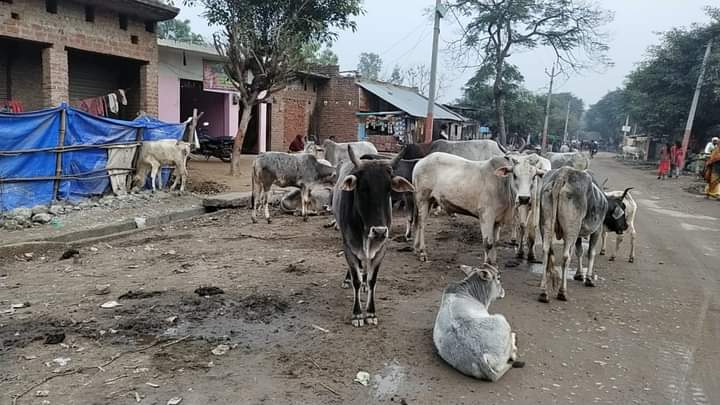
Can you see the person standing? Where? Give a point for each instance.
(712, 174)
(712, 145)
(664, 166)
(297, 144)
(678, 158)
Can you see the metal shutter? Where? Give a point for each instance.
(4, 96)
(88, 79)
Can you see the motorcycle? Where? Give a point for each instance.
(214, 146)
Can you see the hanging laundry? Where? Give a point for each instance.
(113, 103)
(121, 97)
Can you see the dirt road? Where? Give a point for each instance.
(644, 335)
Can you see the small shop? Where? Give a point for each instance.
(391, 116)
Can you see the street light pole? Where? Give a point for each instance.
(696, 97)
(439, 12)
(547, 110)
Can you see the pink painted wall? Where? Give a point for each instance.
(169, 97)
(233, 116)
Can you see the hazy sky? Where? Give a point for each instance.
(401, 32)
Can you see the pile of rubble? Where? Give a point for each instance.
(21, 218)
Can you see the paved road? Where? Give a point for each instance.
(679, 274)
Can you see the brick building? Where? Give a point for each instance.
(53, 51)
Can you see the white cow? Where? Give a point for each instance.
(481, 189)
(336, 152)
(527, 215)
(632, 151)
(630, 211)
(156, 154)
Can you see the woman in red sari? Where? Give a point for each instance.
(664, 166)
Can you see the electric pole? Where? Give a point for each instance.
(439, 13)
(547, 108)
(696, 97)
(567, 118)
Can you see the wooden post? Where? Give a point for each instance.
(58, 154)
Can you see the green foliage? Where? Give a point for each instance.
(312, 54)
(396, 77)
(497, 29)
(179, 30)
(370, 65)
(657, 95)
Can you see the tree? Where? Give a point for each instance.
(396, 77)
(418, 76)
(179, 30)
(327, 57)
(607, 116)
(263, 43)
(370, 65)
(499, 28)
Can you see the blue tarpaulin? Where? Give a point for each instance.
(35, 130)
(86, 163)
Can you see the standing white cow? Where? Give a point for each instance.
(336, 152)
(154, 155)
(487, 190)
(630, 207)
(527, 214)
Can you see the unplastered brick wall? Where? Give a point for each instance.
(337, 105)
(384, 143)
(29, 20)
(292, 110)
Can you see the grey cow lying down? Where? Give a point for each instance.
(466, 336)
(317, 204)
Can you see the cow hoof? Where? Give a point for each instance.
(602, 252)
(531, 258)
(631, 260)
(561, 296)
(578, 277)
(305, 218)
(371, 319)
(611, 259)
(345, 285)
(423, 257)
(357, 322)
(520, 254)
(543, 298)
(589, 282)
(269, 221)
(513, 242)
(330, 225)
(254, 220)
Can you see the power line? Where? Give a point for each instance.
(414, 30)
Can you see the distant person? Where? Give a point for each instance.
(332, 138)
(297, 144)
(678, 158)
(712, 173)
(664, 166)
(564, 148)
(712, 145)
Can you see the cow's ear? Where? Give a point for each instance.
(485, 275)
(401, 185)
(540, 172)
(503, 171)
(467, 269)
(348, 183)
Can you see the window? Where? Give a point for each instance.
(51, 6)
(89, 13)
(150, 26)
(134, 39)
(15, 16)
(123, 22)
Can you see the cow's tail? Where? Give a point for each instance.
(552, 275)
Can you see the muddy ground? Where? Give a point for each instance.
(285, 320)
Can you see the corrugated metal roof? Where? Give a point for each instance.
(406, 99)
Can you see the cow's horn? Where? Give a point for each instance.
(626, 191)
(398, 157)
(352, 156)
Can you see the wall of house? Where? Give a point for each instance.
(338, 101)
(174, 65)
(29, 20)
(292, 110)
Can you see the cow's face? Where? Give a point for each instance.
(615, 218)
(371, 183)
(523, 170)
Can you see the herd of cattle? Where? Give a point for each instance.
(547, 200)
